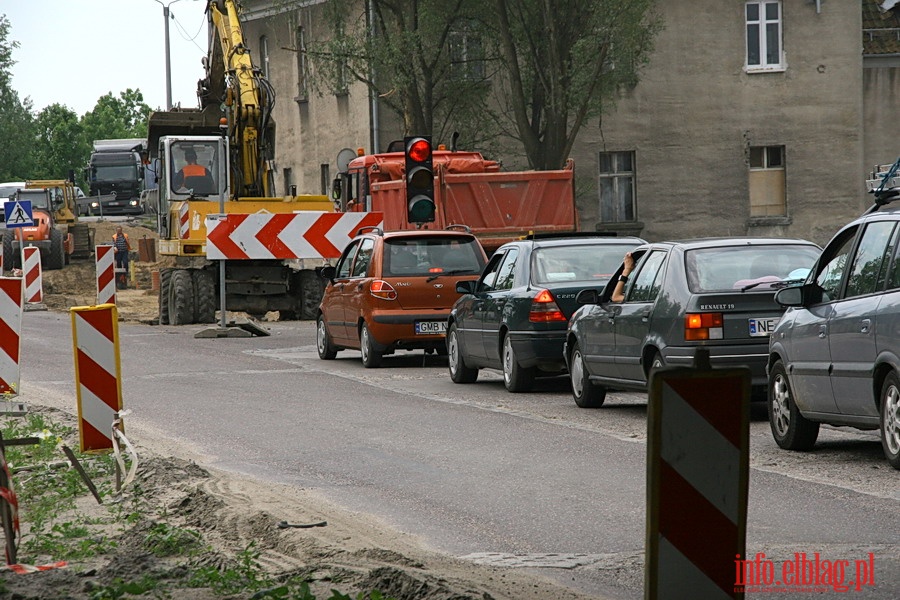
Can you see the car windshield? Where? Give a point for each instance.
(432, 256)
(581, 262)
(749, 267)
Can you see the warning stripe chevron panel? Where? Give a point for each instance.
(184, 221)
(106, 277)
(10, 333)
(33, 279)
(98, 382)
(307, 234)
(698, 454)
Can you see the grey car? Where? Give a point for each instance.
(835, 356)
(715, 292)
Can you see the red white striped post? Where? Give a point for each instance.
(697, 480)
(184, 221)
(34, 293)
(106, 276)
(98, 383)
(10, 333)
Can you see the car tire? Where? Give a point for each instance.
(890, 419)
(371, 356)
(324, 345)
(515, 378)
(586, 393)
(791, 430)
(459, 372)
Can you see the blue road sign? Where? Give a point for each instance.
(18, 213)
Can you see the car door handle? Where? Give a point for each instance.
(822, 329)
(645, 314)
(339, 286)
(864, 326)
(359, 287)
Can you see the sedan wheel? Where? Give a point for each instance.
(791, 430)
(586, 393)
(324, 345)
(371, 357)
(515, 378)
(890, 419)
(459, 372)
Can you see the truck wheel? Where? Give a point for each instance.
(181, 298)
(311, 290)
(56, 258)
(205, 294)
(165, 277)
(9, 257)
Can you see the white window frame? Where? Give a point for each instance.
(762, 25)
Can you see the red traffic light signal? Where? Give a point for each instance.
(420, 207)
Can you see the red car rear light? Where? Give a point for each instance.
(703, 326)
(382, 289)
(544, 309)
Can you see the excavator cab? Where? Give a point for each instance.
(194, 168)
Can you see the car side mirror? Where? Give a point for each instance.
(328, 273)
(588, 297)
(790, 296)
(466, 287)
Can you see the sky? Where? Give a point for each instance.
(72, 52)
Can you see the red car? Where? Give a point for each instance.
(393, 291)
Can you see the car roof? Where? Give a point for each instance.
(715, 242)
(417, 233)
(579, 240)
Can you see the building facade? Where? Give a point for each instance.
(752, 118)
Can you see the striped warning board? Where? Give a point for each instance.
(698, 465)
(106, 277)
(10, 333)
(184, 221)
(34, 293)
(307, 234)
(98, 384)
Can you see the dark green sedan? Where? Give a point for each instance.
(514, 317)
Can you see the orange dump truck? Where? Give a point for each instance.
(470, 190)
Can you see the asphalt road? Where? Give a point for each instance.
(524, 480)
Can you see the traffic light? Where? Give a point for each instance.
(419, 180)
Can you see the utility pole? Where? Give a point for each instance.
(168, 59)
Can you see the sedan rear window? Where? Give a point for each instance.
(432, 256)
(582, 262)
(753, 267)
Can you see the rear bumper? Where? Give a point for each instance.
(397, 329)
(754, 356)
(542, 349)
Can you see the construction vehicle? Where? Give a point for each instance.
(234, 151)
(497, 206)
(115, 174)
(56, 230)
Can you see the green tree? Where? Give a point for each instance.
(16, 120)
(60, 145)
(563, 62)
(119, 117)
(547, 66)
(422, 58)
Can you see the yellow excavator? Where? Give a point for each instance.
(219, 158)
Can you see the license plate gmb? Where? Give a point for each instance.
(431, 327)
(763, 327)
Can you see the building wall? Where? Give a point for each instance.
(311, 131)
(690, 120)
(695, 113)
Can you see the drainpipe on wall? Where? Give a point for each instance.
(373, 97)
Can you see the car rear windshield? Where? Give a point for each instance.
(755, 267)
(404, 257)
(578, 262)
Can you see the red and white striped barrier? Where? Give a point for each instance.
(34, 293)
(698, 469)
(21, 569)
(10, 333)
(307, 234)
(104, 256)
(184, 221)
(98, 384)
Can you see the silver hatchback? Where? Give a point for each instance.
(835, 355)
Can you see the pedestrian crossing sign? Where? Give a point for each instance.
(17, 213)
